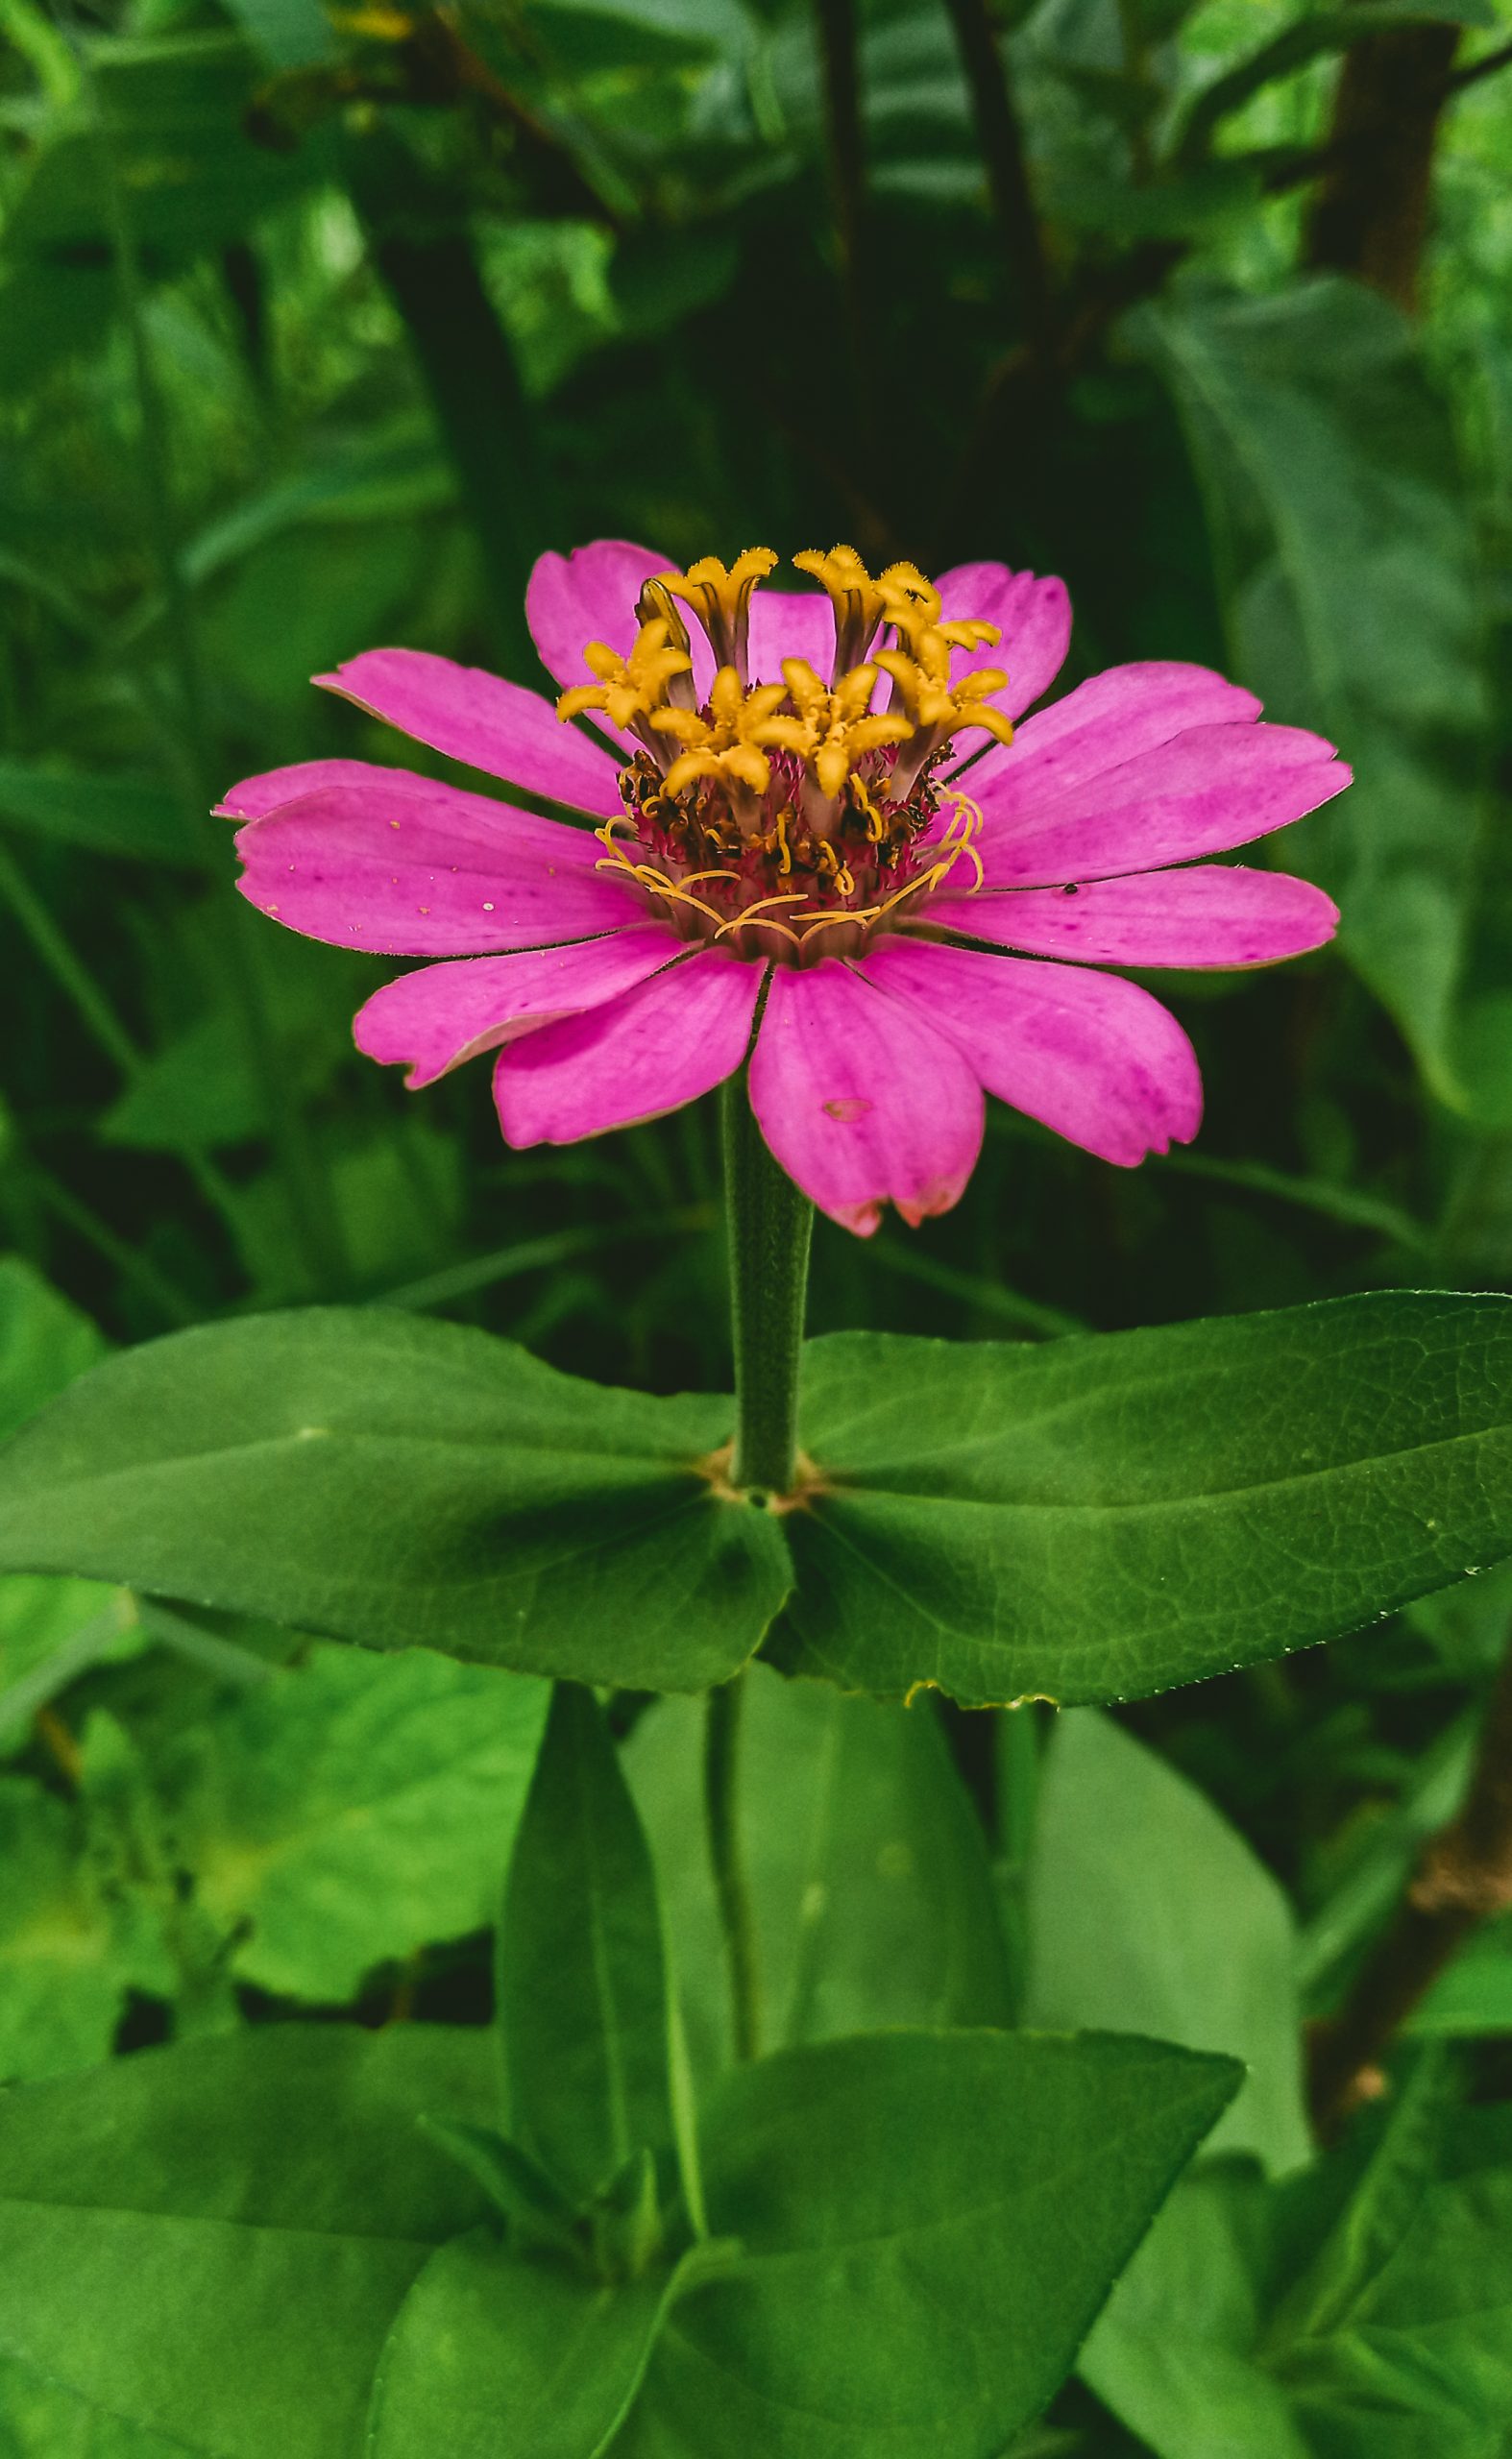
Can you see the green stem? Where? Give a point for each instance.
(769, 1227)
(721, 1802)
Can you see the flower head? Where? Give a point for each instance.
(812, 818)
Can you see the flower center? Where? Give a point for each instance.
(793, 819)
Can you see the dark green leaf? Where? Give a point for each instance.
(134, 818)
(1100, 1518)
(582, 1988)
(872, 1898)
(930, 2222)
(402, 1483)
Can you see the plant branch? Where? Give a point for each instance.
(1463, 1876)
(1486, 65)
(1007, 165)
(837, 43)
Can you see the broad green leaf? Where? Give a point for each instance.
(352, 1811)
(931, 2220)
(402, 1483)
(1149, 1913)
(493, 2354)
(212, 2241)
(39, 2421)
(584, 2017)
(870, 1889)
(1099, 1518)
(1328, 471)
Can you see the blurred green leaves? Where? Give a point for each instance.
(1345, 549)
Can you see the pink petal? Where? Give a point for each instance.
(482, 720)
(791, 622)
(591, 596)
(1034, 617)
(1210, 788)
(1089, 1054)
(256, 796)
(1099, 725)
(1215, 916)
(433, 1020)
(861, 1099)
(408, 867)
(646, 1053)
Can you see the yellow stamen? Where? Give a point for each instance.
(631, 686)
(720, 596)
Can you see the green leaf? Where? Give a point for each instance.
(1099, 1518)
(402, 1483)
(930, 2223)
(352, 1811)
(1328, 471)
(582, 1986)
(1149, 1913)
(1364, 2311)
(872, 1894)
(68, 1950)
(212, 2241)
(45, 1342)
(129, 817)
(492, 2353)
(39, 2421)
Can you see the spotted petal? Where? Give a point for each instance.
(1128, 710)
(432, 1020)
(1032, 614)
(591, 596)
(1089, 1054)
(1218, 915)
(481, 718)
(407, 867)
(862, 1101)
(1204, 791)
(647, 1052)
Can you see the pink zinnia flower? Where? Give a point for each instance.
(786, 835)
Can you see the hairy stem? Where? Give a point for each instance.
(1464, 1875)
(770, 1223)
(722, 1810)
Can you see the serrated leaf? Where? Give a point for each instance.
(402, 1483)
(1149, 1913)
(930, 2223)
(351, 1812)
(871, 1895)
(1101, 1518)
(67, 1956)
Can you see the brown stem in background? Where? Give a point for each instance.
(1464, 1875)
(1007, 165)
(1370, 217)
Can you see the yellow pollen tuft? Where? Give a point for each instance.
(631, 686)
(836, 728)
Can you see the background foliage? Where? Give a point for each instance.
(316, 326)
